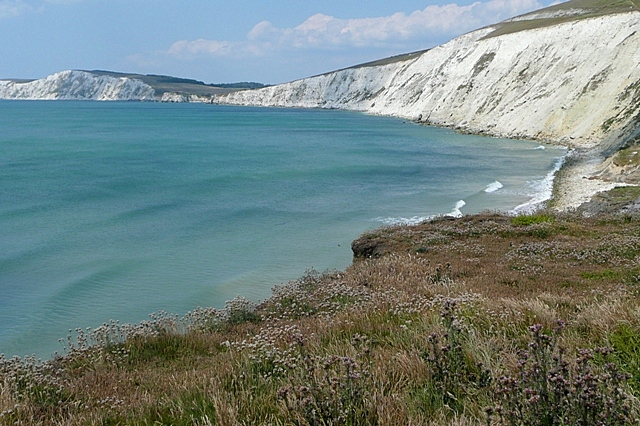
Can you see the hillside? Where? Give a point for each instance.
(162, 84)
(485, 319)
(167, 84)
(77, 85)
(565, 13)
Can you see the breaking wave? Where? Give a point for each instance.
(493, 187)
(541, 189)
(456, 212)
(390, 221)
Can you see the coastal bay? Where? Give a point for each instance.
(334, 260)
(118, 210)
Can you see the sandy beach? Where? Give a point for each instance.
(578, 180)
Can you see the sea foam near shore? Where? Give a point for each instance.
(493, 187)
(541, 189)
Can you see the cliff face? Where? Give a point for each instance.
(78, 85)
(114, 86)
(561, 75)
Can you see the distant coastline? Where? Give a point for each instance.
(117, 86)
(564, 75)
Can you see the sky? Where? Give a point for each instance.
(214, 41)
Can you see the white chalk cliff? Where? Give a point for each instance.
(78, 85)
(568, 74)
(565, 75)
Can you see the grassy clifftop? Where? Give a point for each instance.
(163, 84)
(565, 12)
(486, 319)
(558, 14)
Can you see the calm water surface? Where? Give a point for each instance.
(118, 210)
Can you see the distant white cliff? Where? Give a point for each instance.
(576, 82)
(180, 98)
(78, 85)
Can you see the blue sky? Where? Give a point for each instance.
(225, 41)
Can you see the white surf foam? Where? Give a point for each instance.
(415, 220)
(493, 187)
(403, 220)
(456, 212)
(540, 148)
(541, 190)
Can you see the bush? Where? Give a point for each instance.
(334, 390)
(548, 390)
(240, 311)
(454, 374)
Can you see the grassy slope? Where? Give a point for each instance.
(587, 9)
(426, 327)
(163, 84)
(382, 62)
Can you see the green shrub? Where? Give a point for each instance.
(240, 311)
(625, 341)
(548, 390)
(454, 374)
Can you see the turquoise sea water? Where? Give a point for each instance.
(118, 210)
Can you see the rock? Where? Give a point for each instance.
(369, 246)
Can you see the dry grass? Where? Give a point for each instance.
(429, 326)
(573, 10)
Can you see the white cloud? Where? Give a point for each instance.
(11, 8)
(63, 1)
(189, 49)
(434, 21)
(327, 32)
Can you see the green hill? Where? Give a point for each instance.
(163, 84)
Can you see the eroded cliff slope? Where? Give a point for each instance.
(567, 74)
(78, 85)
(114, 86)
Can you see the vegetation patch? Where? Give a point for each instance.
(550, 388)
(483, 63)
(625, 341)
(566, 12)
(606, 274)
(627, 157)
(488, 324)
(526, 220)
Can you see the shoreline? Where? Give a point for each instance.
(577, 181)
(574, 184)
(546, 191)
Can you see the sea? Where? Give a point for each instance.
(116, 210)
